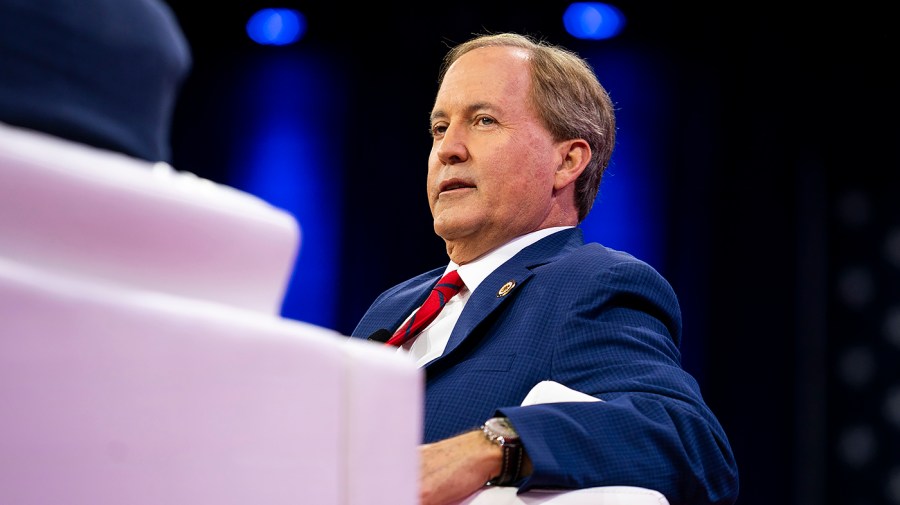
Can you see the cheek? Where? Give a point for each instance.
(433, 168)
(432, 156)
(525, 168)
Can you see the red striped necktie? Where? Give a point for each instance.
(449, 285)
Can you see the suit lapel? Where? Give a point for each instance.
(399, 305)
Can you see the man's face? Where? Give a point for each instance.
(492, 162)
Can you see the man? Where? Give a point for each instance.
(522, 134)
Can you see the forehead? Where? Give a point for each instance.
(496, 75)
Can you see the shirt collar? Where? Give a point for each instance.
(475, 272)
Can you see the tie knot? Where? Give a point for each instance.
(449, 285)
(446, 288)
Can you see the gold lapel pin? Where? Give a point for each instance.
(506, 288)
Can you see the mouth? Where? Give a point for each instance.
(454, 184)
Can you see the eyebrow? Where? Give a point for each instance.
(470, 110)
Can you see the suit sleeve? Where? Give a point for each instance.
(619, 343)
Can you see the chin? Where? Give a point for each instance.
(449, 231)
(454, 224)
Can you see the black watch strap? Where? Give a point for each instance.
(513, 453)
(511, 467)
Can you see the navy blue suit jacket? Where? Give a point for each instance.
(595, 320)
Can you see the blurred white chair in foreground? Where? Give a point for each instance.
(143, 359)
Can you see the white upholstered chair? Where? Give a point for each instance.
(143, 360)
(603, 495)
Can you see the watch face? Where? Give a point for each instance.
(501, 426)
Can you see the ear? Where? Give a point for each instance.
(575, 154)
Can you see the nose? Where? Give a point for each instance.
(451, 148)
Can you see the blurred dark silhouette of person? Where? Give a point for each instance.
(522, 133)
(106, 73)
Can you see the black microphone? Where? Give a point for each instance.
(382, 335)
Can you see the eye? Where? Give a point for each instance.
(485, 120)
(438, 129)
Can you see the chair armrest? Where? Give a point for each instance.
(601, 495)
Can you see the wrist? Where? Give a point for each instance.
(501, 433)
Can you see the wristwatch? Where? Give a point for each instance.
(499, 431)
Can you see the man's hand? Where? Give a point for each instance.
(454, 468)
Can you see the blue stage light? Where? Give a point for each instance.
(288, 104)
(593, 20)
(276, 27)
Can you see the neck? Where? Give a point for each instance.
(462, 251)
(467, 248)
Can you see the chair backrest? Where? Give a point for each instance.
(107, 217)
(143, 361)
